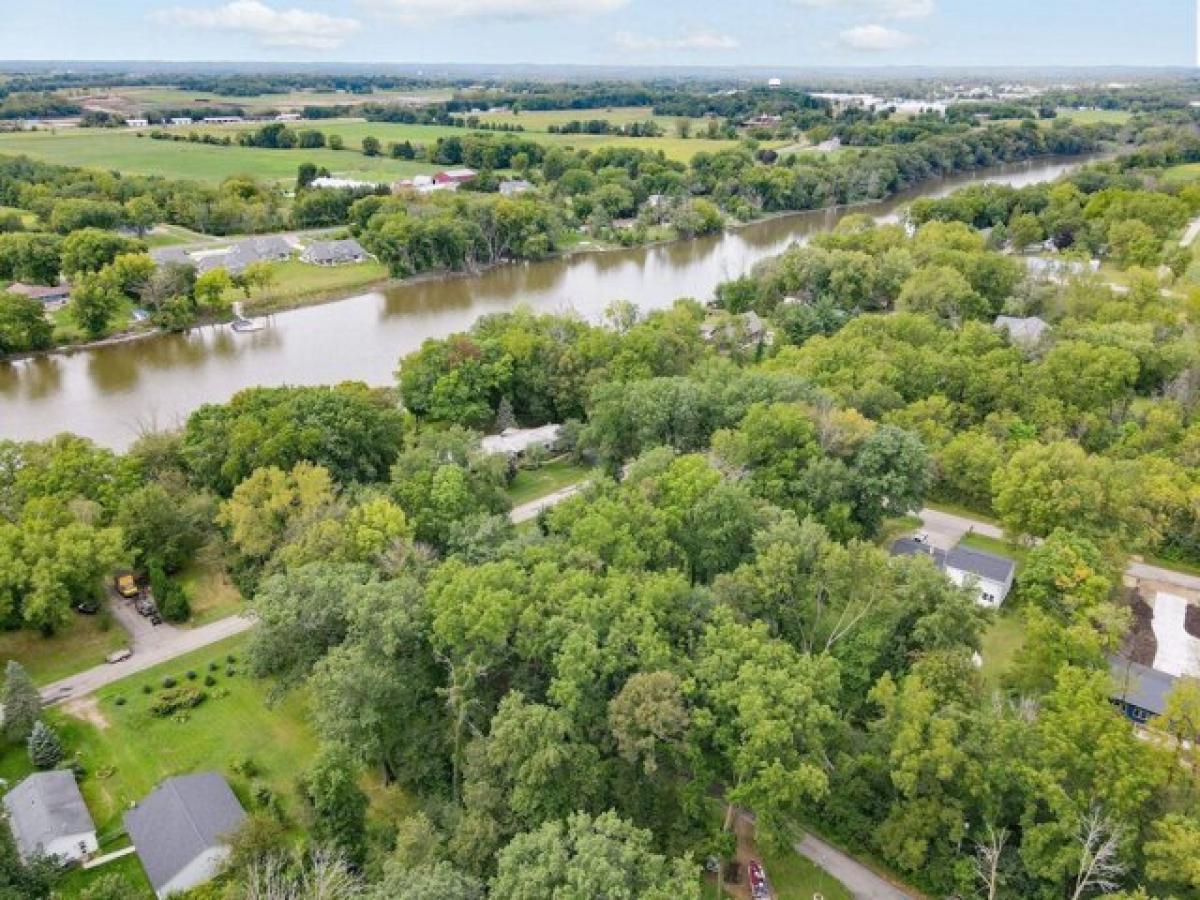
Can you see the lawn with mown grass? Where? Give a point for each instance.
(84, 643)
(533, 484)
(126, 750)
(1003, 638)
(296, 282)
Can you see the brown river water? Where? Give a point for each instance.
(111, 393)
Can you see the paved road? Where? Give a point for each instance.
(861, 881)
(947, 529)
(174, 643)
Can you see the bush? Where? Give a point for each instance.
(246, 767)
(212, 666)
(229, 673)
(120, 701)
(146, 688)
(176, 700)
(169, 595)
(169, 682)
(231, 658)
(209, 681)
(191, 675)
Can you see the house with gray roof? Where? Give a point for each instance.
(334, 253)
(1139, 691)
(515, 186)
(1024, 332)
(48, 817)
(181, 830)
(989, 575)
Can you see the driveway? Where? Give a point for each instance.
(947, 529)
(861, 881)
(152, 650)
(142, 635)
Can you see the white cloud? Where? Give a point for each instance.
(430, 10)
(875, 38)
(888, 9)
(272, 27)
(696, 40)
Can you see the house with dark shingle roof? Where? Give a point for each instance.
(989, 575)
(334, 253)
(1140, 692)
(181, 830)
(48, 817)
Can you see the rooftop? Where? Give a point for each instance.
(512, 441)
(1139, 685)
(913, 547)
(179, 820)
(44, 807)
(979, 562)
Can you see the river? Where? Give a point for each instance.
(112, 393)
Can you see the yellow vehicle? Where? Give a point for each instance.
(127, 586)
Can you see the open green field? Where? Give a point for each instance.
(1093, 116)
(125, 151)
(541, 119)
(1185, 172)
(143, 99)
(82, 644)
(210, 592)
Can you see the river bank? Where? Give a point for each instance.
(113, 392)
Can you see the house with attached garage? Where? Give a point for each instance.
(47, 817)
(334, 253)
(52, 297)
(1140, 692)
(181, 831)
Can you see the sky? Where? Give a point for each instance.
(619, 32)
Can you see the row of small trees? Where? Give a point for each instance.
(23, 718)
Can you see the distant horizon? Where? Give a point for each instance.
(658, 33)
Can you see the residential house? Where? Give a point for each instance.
(137, 123)
(181, 830)
(728, 331)
(515, 186)
(334, 253)
(989, 575)
(513, 442)
(182, 120)
(52, 297)
(1024, 332)
(763, 121)
(421, 184)
(1059, 269)
(1140, 692)
(455, 176)
(223, 120)
(345, 184)
(48, 817)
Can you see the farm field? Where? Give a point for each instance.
(542, 119)
(1092, 116)
(125, 151)
(142, 99)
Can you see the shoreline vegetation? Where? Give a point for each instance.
(270, 304)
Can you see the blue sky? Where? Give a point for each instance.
(663, 32)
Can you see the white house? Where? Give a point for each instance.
(513, 442)
(48, 817)
(181, 831)
(181, 120)
(989, 575)
(1024, 332)
(137, 123)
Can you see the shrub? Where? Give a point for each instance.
(146, 688)
(209, 681)
(191, 675)
(246, 766)
(231, 658)
(212, 666)
(230, 672)
(120, 701)
(169, 682)
(177, 699)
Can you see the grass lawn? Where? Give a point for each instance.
(76, 881)
(1094, 116)
(127, 751)
(82, 644)
(540, 120)
(533, 484)
(210, 593)
(296, 281)
(892, 529)
(125, 151)
(795, 877)
(1000, 645)
(170, 235)
(1186, 172)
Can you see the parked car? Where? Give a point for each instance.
(759, 889)
(118, 655)
(89, 605)
(127, 586)
(145, 606)
(155, 619)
